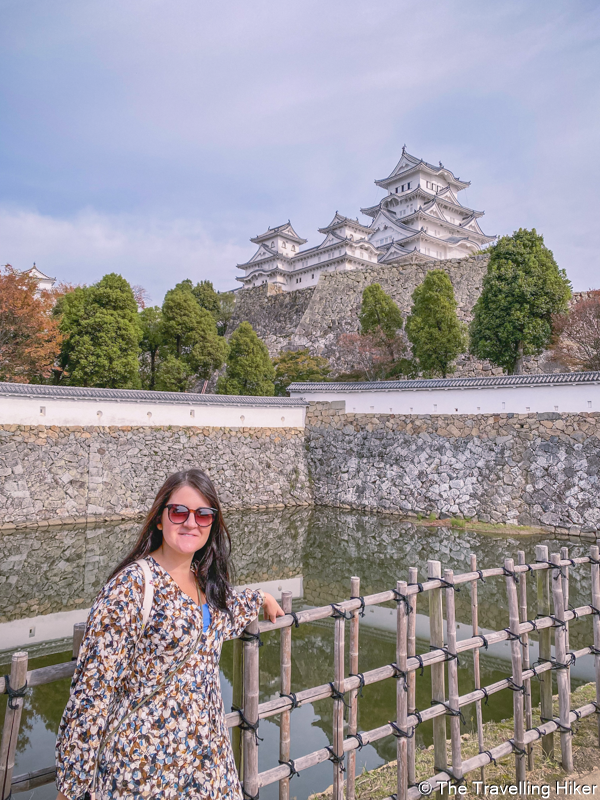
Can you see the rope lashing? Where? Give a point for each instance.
(539, 732)
(359, 739)
(517, 750)
(593, 560)
(512, 636)
(249, 796)
(558, 623)
(247, 636)
(402, 598)
(420, 585)
(294, 616)
(453, 777)
(594, 651)
(291, 766)
(570, 560)
(596, 706)
(452, 712)
(448, 585)
(577, 713)
(246, 725)
(291, 696)
(594, 609)
(417, 714)
(340, 613)
(336, 695)
(361, 679)
(361, 610)
(486, 694)
(421, 665)
(335, 759)
(449, 656)
(515, 686)
(510, 573)
(562, 728)
(492, 760)
(483, 639)
(533, 624)
(575, 613)
(13, 694)
(399, 733)
(480, 573)
(535, 672)
(551, 565)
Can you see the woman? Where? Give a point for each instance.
(175, 744)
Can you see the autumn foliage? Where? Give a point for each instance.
(29, 336)
(577, 334)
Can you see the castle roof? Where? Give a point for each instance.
(409, 164)
(286, 230)
(339, 220)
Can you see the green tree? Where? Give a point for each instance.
(379, 312)
(249, 368)
(435, 332)
(181, 318)
(174, 375)
(207, 298)
(209, 350)
(298, 365)
(227, 303)
(152, 340)
(102, 332)
(522, 289)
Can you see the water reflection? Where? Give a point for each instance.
(60, 570)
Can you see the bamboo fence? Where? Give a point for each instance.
(552, 614)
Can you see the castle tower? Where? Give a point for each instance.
(422, 217)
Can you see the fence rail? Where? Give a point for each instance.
(552, 581)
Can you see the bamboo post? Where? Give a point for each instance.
(402, 692)
(476, 671)
(413, 576)
(353, 712)
(12, 722)
(564, 574)
(238, 702)
(595, 557)
(251, 690)
(545, 651)
(526, 661)
(286, 688)
(453, 693)
(517, 669)
(438, 690)
(562, 675)
(338, 710)
(78, 634)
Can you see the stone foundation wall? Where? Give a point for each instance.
(51, 474)
(538, 469)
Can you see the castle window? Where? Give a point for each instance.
(294, 248)
(283, 244)
(403, 186)
(396, 190)
(299, 280)
(408, 185)
(313, 276)
(272, 244)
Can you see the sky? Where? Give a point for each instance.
(154, 138)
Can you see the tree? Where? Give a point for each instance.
(522, 290)
(298, 365)
(209, 350)
(227, 302)
(249, 368)
(207, 298)
(364, 354)
(30, 338)
(433, 328)
(152, 340)
(379, 314)
(102, 331)
(181, 317)
(173, 375)
(577, 334)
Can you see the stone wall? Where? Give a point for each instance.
(537, 469)
(55, 473)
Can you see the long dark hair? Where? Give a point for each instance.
(211, 562)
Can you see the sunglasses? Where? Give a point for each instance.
(178, 514)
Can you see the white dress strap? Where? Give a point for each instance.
(148, 591)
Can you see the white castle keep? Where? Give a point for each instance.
(420, 218)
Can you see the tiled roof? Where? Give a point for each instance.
(553, 379)
(140, 396)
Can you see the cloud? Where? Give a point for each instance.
(152, 252)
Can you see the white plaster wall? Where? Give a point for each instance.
(62, 411)
(509, 400)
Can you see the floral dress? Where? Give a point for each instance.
(177, 744)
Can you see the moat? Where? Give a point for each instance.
(48, 577)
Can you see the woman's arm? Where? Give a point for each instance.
(112, 630)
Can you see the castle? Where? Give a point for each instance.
(419, 219)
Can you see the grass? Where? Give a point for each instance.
(381, 782)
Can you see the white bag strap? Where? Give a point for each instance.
(148, 591)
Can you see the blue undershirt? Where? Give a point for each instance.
(206, 618)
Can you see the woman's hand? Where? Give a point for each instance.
(271, 608)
